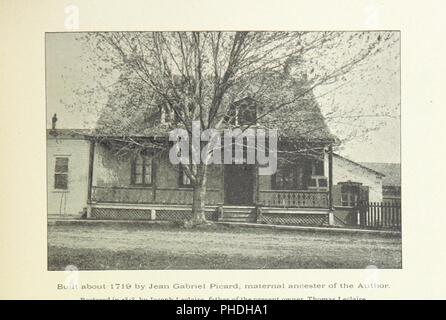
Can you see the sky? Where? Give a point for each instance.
(67, 69)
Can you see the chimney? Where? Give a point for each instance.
(54, 120)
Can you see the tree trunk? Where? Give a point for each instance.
(199, 198)
(198, 205)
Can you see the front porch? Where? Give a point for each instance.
(289, 207)
(222, 213)
(153, 189)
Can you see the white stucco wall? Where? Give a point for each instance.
(74, 199)
(112, 171)
(344, 170)
(108, 170)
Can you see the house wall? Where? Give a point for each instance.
(74, 199)
(167, 174)
(265, 182)
(111, 170)
(344, 171)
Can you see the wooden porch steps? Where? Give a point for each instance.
(238, 214)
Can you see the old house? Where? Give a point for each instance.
(106, 183)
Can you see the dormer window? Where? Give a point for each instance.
(243, 112)
(247, 112)
(162, 113)
(167, 115)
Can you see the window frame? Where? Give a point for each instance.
(318, 168)
(317, 179)
(242, 112)
(350, 194)
(61, 173)
(292, 171)
(246, 113)
(145, 159)
(181, 176)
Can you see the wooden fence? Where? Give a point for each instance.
(380, 215)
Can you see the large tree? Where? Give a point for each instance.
(197, 76)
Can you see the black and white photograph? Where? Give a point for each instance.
(223, 150)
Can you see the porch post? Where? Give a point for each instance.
(155, 178)
(90, 176)
(256, 184)
(330, 176)
(222, 194)
(330, 185)
(256, 172)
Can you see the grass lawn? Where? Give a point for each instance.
(132, 247)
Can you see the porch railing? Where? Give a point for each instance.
(135, 195)
(294, 198)
(185, 196)
(147, 195)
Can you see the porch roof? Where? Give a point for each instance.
(153, 134)
(67, 133)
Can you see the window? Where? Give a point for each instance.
(162, 112)
(322, 182)
(231, 115)
(285, 178)
(184, 180)
(317, 168)
(350, 195)
(319, 183)
(289, 176)
(142, 170)
(243, 112)
(166, 114)
(317, 180)
(246, 113)
(61, 173)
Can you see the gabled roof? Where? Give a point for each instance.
(133, 114)
(359, 165)
(392, 172)
(306, 122)
(300, 119)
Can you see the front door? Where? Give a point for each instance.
(239, 184)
